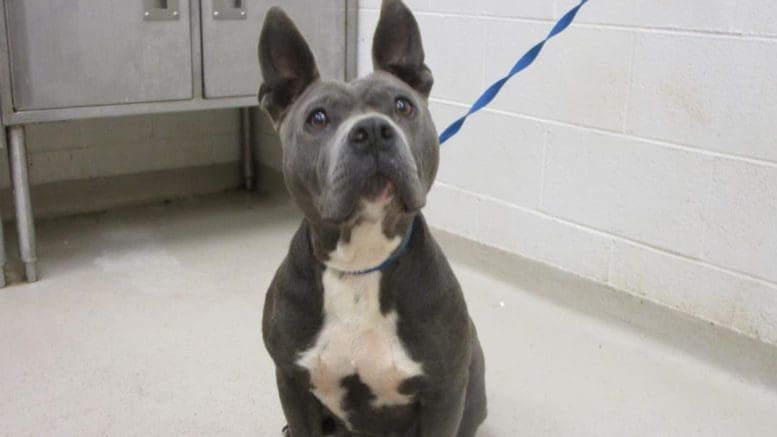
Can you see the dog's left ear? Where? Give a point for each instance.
(397, 47)
(288, 65)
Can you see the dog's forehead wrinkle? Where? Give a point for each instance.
(382, 82)
(321, 93)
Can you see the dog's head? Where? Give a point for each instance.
(345, 143)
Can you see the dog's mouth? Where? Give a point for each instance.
(379, 189)
(393, 194)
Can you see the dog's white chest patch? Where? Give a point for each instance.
(357, 339)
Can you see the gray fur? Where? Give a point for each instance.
(327, 174)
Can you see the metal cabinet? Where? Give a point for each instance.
(96, 52)
(70, 59)
(230, 30)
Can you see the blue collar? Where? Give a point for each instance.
(390, 260)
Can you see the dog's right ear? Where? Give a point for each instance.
(288, 65)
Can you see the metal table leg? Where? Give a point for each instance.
(2, 255)
(25, 222)
(245, 141)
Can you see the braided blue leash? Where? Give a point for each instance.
(522, 63)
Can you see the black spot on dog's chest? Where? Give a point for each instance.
(367, 419)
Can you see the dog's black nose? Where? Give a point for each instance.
(372, 134)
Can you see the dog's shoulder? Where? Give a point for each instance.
(293, 304)
(429, 299)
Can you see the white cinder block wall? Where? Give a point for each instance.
(86, 149)
(639, 151)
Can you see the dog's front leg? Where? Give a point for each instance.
(302, 410)
(441, 413)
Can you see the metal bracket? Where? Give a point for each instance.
(160, 10)
(229, 9)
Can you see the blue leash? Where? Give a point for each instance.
(521, 65)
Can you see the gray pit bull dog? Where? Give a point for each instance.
(365, 320)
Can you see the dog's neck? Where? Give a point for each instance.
(367, 241)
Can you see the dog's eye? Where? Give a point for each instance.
(318, 119)
(404, 107)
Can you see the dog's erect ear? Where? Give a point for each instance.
(397, 47)
(288, 65)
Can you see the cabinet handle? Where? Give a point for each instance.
(229, 9)
(160, 10)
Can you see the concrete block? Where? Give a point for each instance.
(741, 220)
(756, 17)
(524, 8)
(368, 21)
(627, 187)
(227, 147)
(101, 132)
(454, 52)
(704, 15)
(714, 93)
(415, 5)
(61, 135)
(494, 154)
(5, 175)
(270, 152)
(185, 125)
(582, 77)
(538, 237)
(119, 159)
(56, 165)
(182, 153)
(452, 210)
(724, 298)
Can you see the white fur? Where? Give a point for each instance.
(368, 246)
(356, 338)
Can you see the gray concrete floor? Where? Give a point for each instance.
(146, 322)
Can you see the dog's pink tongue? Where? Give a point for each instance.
(387, 192)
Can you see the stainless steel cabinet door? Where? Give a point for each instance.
(230, 37)
(67, 53)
